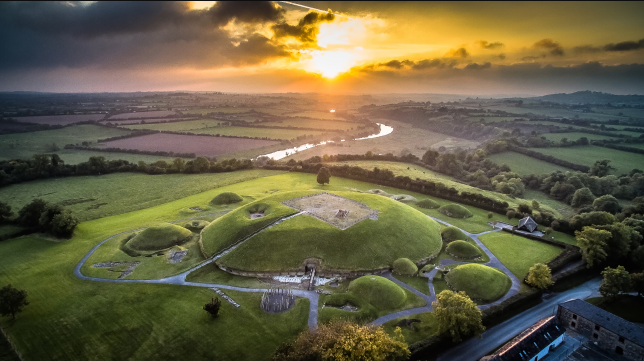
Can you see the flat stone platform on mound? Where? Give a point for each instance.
(337, 211)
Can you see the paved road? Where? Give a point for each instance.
(475, 348)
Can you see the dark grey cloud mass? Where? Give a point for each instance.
(487, 45)
(133, 34)
(549, 44)
(622, 46)
(306, 30)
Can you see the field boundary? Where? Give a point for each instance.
(13, 345)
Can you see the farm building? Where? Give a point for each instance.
(606, 330)
(527, 224)
(532, 344)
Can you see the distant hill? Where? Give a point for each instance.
(590, 97)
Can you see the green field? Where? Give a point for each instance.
(414, 172)
(72, 319)
(399, 232)
(556, 137)
(426, 328)
(518, 254)
(524, 165)
(564, 209)
(315, 123)
(92, 197)
(24, 145)
(624, 162)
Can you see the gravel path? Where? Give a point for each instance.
(312, 296)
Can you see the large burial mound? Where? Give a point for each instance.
(159, 237)
(343, 231)
(481, 283)
(455, 211)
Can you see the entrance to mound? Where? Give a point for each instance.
(337, 211)
(259, 210)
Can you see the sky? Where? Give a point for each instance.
(477, 48)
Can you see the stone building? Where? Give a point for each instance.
(532, 344)
(606, 330)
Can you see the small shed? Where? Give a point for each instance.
(527, 224)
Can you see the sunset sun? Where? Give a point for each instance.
(331, 63)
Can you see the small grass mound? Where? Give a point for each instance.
(451, 234)
(462, 249)
(378, 291)
(455, 211)
(404, 266)
(428, 204)
(227, 198)
(196, 225)
(403, 198)
(159, 237)
(481, 283)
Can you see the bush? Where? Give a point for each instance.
(462, 249)
(378, 291)
(404, 266)
(455, 211)
(451, 234)
(428, 204)
(227, 198)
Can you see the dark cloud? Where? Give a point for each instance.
(486, 45)
(306, 30)
(554, 47)
(501, 56)
(251, 12)
(133, 34)
(532, 58)
(458, 53)
(408, 65)
(586, 49)
(475, 66)
(625, 46)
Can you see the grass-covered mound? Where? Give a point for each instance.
(378, 291)
(196, 225)
(404, 266)
(463, 249)
(428, 204)
(398, 232)
(455, 211)
(227, 198)
(451, 234)
(159, 237)
(238, 224)
(480, 282)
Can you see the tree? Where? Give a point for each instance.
(592, 242)
(601, 168)
(29, 215)
(548, 231)
(213, 307)
(582, 197)
(510, 214)
(430, 157)
(343, 340)
(179, 164)
(616, 280)
(63, 224)
(637, 283)
(458, 315)
(535, 205)
(540, 276)
(5, 212)
(200, 165)
(490, 215)
(12, 301)
(323, 175)
(607, 203)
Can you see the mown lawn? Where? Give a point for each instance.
(426, 328)
(418, 282)
(518, 254)
(72, 319)
(623, 162)
(92, 197)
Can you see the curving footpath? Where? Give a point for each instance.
(312, 296)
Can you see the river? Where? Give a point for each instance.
(384, 130)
